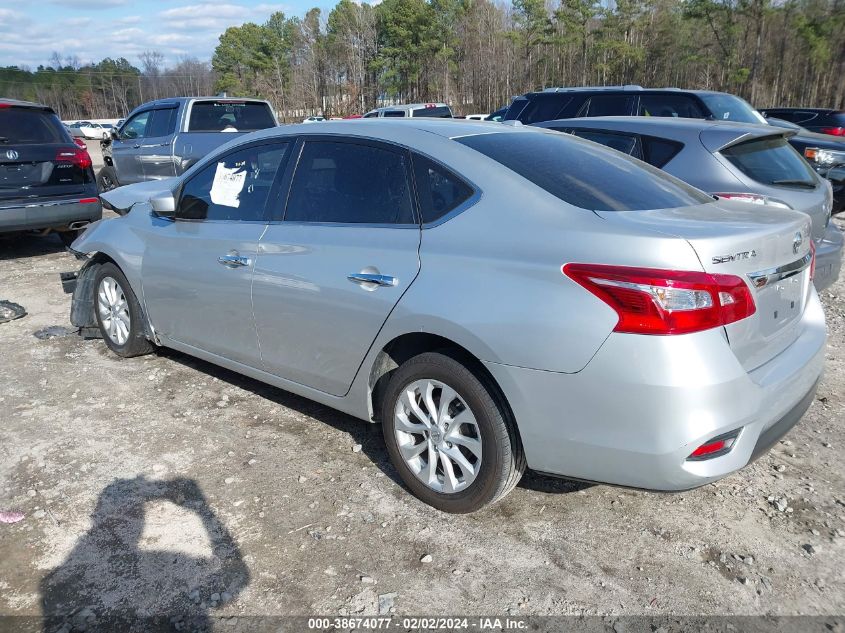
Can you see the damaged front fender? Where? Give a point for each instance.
(82, 304)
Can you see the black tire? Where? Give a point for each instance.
(503, 460)
(107, 179)
(136, 343)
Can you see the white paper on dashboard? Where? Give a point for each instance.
(228, 184)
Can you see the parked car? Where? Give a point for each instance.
(567, 103)
(825, 153)
(163, 138)
(482, 291)
(430, 110)
(822, 120)
(46, 180)
(476, 117)
(748, 163)
(313, 119)
(76, 128)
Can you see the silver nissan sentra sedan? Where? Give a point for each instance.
(496, 297)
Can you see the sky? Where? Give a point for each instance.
(30, 31)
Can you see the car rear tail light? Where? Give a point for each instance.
(88, 200)
(80, 143)
(714, 447)
(662, 302)
(835, 131)
(754, 198)
(75, 155)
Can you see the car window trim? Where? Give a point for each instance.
(354, 140)
(272, 195)
(463, 206)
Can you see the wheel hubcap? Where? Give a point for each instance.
(114, 311)
(438, 435)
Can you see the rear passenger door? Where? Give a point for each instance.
(328, 275)
(156, 148)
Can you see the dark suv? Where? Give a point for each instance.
(46, 179)
(570, 103)
(823, 120)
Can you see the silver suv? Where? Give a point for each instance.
(493, 296)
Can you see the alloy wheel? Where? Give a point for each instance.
(114, 311)
(438, 435)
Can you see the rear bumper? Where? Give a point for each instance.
(47, 214)
(828, 257)
(644, 403)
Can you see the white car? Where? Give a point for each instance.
(313, 119)
(96, 130)
(476, 117)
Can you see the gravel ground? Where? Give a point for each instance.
(163, 483)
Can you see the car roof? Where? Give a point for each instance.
(625, 88)
(714, 134)
(24, 104)
(663, 124)
(816, 110)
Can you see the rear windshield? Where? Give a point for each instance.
(585, 175)
(725, 107)
(438, 112)
(25, 126)
(771, 161)
(235, 116)
(435, 112)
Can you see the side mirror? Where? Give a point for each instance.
(113, 134)
(163, 204)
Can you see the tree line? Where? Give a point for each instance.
(477, 54)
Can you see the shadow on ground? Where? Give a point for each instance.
(111, 582)
(24, 245)
(369, 436)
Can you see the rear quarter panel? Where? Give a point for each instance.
(491, 278)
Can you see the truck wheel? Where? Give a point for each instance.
(107, 179)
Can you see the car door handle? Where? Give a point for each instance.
(372, 278)
(233, 261)
(136, 146)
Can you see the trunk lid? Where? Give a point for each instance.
(33, 171)
(769, 251)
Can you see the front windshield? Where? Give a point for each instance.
(725, 107)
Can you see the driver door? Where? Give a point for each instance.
(197, 267)
(125, 149)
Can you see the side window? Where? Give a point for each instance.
(371, 115)
(235, 187)
(395, 113)
(439, 190)
(350, 183)
(625, 143)
(608, 105)
(136, 126)
(659, 151)
(670, 106)
(544, 107)
(162, 123)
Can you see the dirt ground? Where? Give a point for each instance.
(164, 483)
